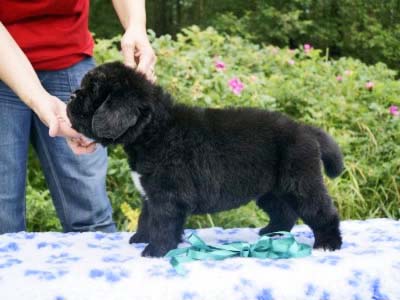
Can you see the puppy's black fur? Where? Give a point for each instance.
(195, 161)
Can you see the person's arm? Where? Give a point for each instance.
(135, 44)
(17, 72)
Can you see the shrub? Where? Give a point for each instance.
(365, 29)
(345, 97)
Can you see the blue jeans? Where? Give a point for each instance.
(76, 183)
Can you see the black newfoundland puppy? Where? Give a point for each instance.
(189, 160)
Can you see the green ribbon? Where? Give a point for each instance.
(275, 245)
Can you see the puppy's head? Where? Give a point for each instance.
(113, 105)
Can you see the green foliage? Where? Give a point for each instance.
(103, 20)
(369, 30)
(278, 23)
(303, 85)
(364, 29)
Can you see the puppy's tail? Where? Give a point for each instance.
(331, 155)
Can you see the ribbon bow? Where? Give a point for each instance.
(275, 245)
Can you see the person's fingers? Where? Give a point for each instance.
(63, 117)
(147, 63)
(65, 128)
(127, 52)
(83, 150)
(53, 126)
(146, 60)
(78, 148)
(67, 131)
(91, 148)
(78, 143)
(85, 142)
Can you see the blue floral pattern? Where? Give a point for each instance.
(95, 265)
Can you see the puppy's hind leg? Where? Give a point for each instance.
(282, 216)
(302, 178)
(142, 235)
(318, 212)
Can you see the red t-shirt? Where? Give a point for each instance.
(53, 34)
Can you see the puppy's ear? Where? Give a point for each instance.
(113, 118)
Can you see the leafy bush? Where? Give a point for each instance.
(345, 97)
(280, 23)
(365, 29)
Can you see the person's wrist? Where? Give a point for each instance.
(37, 99)
(43, 105)
(136, 27)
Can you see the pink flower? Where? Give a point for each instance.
(394, 110)
(369, 85)
(307, 48)
(339, 78)
(291, 62)
(348, 72)
(219, 65)
(236, 85)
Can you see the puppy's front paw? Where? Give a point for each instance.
(138, 238)
(153, 251)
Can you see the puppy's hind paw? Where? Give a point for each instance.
(331, 243)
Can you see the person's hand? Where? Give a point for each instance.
(52, 112)
(137, 51)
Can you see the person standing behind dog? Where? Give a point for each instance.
(45, 50)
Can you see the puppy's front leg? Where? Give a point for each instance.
(165, 227)
(142, 235)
